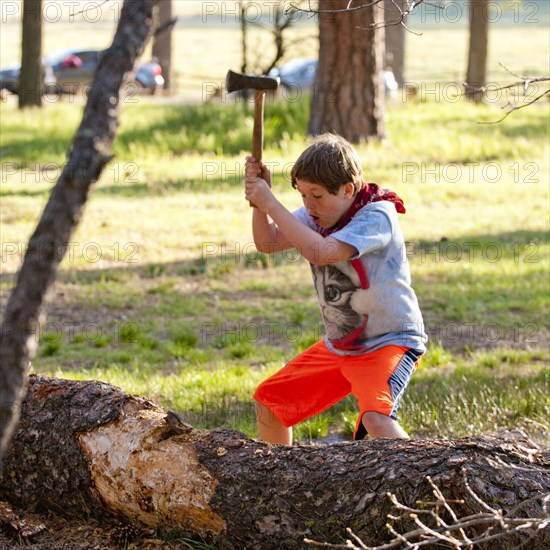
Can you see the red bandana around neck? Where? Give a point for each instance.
(369, 192)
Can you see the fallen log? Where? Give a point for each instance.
(87, 449)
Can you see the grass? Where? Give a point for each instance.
(184, 310)
(163, 293)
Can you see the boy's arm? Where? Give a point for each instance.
(267, 236)
(315, 248)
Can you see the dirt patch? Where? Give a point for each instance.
(465, 337)
(21, 529)
(65, 312)
(58, 533)
(68, 314)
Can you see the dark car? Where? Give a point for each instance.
(299, 74)
(67, 71)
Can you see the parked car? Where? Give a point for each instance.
(299, 74)
(67, 71)
(296, 74)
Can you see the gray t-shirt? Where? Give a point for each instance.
(367, 301)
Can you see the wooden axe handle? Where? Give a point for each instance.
(258, 131)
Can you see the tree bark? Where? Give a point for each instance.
(395, 39)
(162, 44)
(244, 33)
(31, 77)
(348, 96)
(88, 156)
(88, 449)
(477, 51)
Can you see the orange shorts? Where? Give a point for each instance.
(317, 379)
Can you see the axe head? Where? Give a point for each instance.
(238, 81)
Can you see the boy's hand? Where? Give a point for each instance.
(257, 182)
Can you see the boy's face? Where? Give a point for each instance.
(324, 208)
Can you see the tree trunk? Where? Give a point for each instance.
(395, 39)
(348, 96)
(162, 44)
(477, 51)
(87, 158)
(88, 449)
(244, 32)
(31, 77)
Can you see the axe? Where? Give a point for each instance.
(238, 81)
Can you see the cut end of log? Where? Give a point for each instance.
(148, 477)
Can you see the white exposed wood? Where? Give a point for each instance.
(140, 473)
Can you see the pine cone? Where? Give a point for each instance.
(124, 534)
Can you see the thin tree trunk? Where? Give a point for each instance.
(477, 51)
(162, 44)
(244, 32)
(88, 156)
(395, 39)
(31, 78)
(348, 96)
(88, 449)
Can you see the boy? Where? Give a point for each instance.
(349, 233)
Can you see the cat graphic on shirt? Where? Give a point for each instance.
(345, 306)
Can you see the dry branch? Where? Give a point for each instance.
(411, 5)
(495, 523)
(524, 83)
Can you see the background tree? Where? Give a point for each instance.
(348, 95)
(31, 80)
(395, 38)
(89, 154)
(244, 34)
(162, 43)
(281, 19)
(477, 51)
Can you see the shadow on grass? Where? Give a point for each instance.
(211, 127)
(223, 412)
(523, 246)
(168, 186)
(479, 292)
(211, 265)
(157, 188)
(45, 192)
(484, 291)
(33, 147)
(538, 129)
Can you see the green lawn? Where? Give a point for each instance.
(163, 293)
